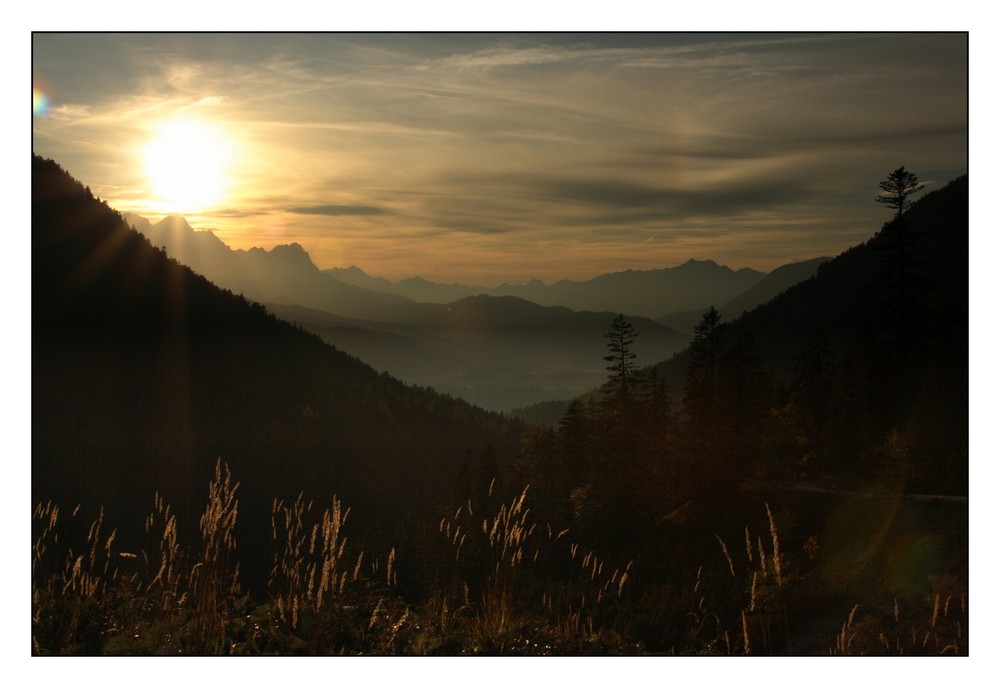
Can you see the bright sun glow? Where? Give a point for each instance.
(187, 162)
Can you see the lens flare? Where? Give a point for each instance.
(39, 103)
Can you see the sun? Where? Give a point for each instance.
(187, 165)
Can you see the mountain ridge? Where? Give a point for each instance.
(461, 346)
(145, 374)
(771, 286)
(284, 273)
(647, 293)
(691, 286)
(497, 352)
(845, 297)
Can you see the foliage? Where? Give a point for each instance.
(506, 584)
(621, 360)
(942, 629)
(897, 189)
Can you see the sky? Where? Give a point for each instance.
(483, 158)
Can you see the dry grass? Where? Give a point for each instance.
(505, 584)
(213, 582)
(762, 622)
(509, 561)
(942, 629)
(308, 570)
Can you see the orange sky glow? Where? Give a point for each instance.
(483, 158)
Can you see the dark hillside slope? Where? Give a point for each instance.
(144, 374)
(874, 355)
(847, 298)
(284, 274)
(775, 282)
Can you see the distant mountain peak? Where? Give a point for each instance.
(417, 280)
(694, 262)
(178, 227)
(294, 247)
(294, 253)
(175, 221)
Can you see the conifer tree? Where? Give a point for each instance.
(621, 358)
(574, 438)
(701, 389)
(903, 279)
(747, 390)
(897, 189)
(704, 428)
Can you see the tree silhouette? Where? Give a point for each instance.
(897, 189)
(903, 277)
(575, 429)
(701, 389)
(812, 388)
(620, 357)
(704, 426)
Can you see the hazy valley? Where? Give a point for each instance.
(499, 348)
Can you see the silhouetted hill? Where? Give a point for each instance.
(652, 293)
(495, 351)
(498, 352)
(283, 274)
(145, 373)
(775, 282)
(358, 277)
(846, 298)
(884, 327)
(647, 293)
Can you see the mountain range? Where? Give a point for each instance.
(693, 285)
(286, 274)
(145, 374)
(850, 300)
(283, 274)
(770, 286)
(496, 352)
(499, 348)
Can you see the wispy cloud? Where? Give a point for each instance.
(401, 150)
(337, 210)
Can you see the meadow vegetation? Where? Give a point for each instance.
(494, 582)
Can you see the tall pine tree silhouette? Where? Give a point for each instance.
(620, 358)
(897, 189)
(903, 281)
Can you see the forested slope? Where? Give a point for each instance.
(144, 374)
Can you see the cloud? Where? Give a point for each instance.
(607, 197)
(335, 209)
(568, 147)
(235, 213)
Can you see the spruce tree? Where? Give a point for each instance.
(701, 388)
(897, 189)
(621, 358)
(903, 281)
